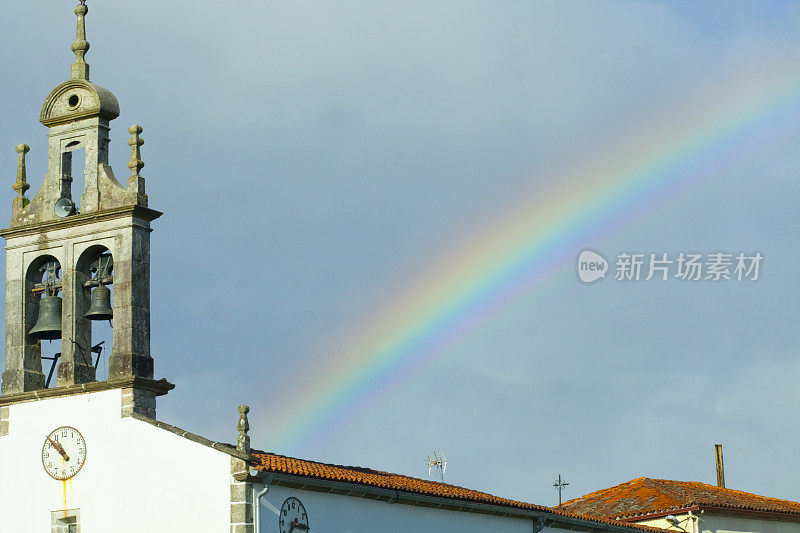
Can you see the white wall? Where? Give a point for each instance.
(136, 478)
(725, 524)
(331, 513)
(686, 524)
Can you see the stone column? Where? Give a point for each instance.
(131, 352)
(23, 370)
(76, 364)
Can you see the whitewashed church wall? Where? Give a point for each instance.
(332, 513)
(136, 477)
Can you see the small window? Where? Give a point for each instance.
(68, 521)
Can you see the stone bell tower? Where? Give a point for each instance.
(64, 245)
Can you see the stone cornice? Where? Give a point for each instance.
(133, 211)
(159, 387)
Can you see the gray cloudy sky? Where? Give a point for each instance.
(313, 158)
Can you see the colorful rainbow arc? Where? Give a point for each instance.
(538, 238)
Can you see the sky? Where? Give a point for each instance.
(374, 210)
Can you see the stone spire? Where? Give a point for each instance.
(80, 69)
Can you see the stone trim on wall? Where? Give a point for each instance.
(138, 401)
(242, 520)
(5, 420)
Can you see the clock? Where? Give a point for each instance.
(64, 452)
(293, 516)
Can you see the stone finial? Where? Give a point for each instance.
(136, 190)
(80, 69)
(243, 440)
(136, 142)
(21, 185)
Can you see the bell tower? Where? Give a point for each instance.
(74, 257)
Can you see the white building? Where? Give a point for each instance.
(142, 475)
(689, 506)
(81, 455)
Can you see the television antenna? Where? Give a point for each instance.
(436, 464)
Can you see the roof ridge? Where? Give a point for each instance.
(596, 492)
(728, 489)
(643, 496)
(334, 465)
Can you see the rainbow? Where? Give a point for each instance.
(541, 236)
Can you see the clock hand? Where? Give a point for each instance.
(58, 448)
(298, 525)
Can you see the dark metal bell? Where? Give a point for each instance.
(100, 308)
(48, 325)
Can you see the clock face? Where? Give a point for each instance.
(64, 452)
(293, 517)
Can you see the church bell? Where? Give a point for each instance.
(48, 325)
(100, 307)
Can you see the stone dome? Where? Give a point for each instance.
(77, 99)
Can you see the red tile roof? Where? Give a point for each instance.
(374, 478)
(645, 496)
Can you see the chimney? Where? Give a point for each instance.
(720, 467)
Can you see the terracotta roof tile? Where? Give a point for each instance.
(645, 496)
(375, 478)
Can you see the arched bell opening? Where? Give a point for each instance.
(44, 312)
(94, 308)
